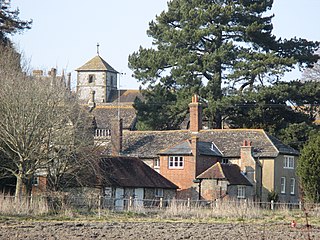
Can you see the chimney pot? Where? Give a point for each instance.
(195, 110)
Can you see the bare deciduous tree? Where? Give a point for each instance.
(42, 126)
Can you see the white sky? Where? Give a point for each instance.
(64, 33)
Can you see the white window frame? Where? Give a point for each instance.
(156, 163)
(292, 185)
(35, 181)
(283, 185)
(158, 192)
(176, 162)
(289, 162)
(241, 193)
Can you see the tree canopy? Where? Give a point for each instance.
(10, 22)
(214, 47)
(309, 167)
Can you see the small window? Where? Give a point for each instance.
(225, 161)
(176, 162)
(100, 132)
(292, 185)
(91, 78)
(158, 192)
(283, 185)
(241, 192)
(35, 181)
(156, 163)
(289, 162)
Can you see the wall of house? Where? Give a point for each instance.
(212, 189)
(281, 171)
(233, 192)
(268, 167)
(183, 178)
(41, 187)
(99, 85)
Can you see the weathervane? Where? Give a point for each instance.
(98, 48)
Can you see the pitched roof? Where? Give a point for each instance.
(185, 148)
(282, 148)
(96, 64)
(105, 113)
(132, 172)
(229, 172)
(149, 144)
(126, 96)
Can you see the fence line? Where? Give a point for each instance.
(57, 202)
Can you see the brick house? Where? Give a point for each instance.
(183, 155)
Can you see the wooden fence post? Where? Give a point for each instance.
(161, 202)
(99, 205)
(188, 203)
(272, 205)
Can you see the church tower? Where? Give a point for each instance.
(98, 77)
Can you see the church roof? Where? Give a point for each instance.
(124, 96)
(96, 64)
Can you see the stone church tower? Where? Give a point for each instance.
(95, 81)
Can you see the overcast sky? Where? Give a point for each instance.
(65, 33)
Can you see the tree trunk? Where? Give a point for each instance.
(19, 188)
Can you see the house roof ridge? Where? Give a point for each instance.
(112, 106)
(217, 164)
(162, 131)
(233, 129)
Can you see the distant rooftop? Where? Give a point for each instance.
(96, 64)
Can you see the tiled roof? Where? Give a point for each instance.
(147, 144)
(228, 142)
(96, 64)
(230, 172)
(282, 148)
(132, 172)
(104, 115)
(184, 148)
(126, 96)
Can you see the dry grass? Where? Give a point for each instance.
(25, 206)
(234, 210)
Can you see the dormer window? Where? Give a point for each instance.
(91, 78)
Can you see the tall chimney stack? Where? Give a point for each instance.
(195, 110)
(116, 137)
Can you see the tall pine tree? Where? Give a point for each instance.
(211, 46)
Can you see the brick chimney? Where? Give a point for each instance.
(116, 137)
(195, 110)
(195, 152)
(37, 73)
(246, 159)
